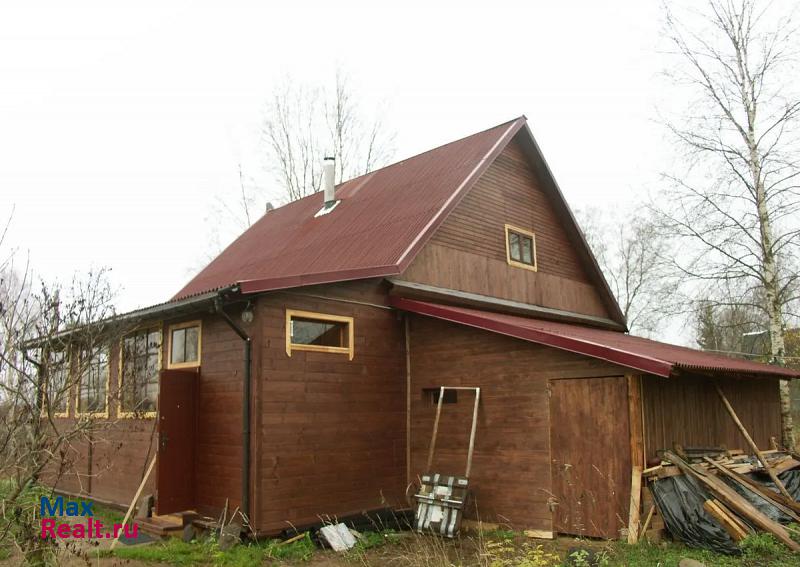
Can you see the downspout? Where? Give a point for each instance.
(245, 407)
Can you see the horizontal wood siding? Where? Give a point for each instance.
(468, 251)
(511, 468)
(331, 431)
(688, 411)
(218, 438)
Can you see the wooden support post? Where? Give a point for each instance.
(752, 443)
(637, 455)
(435, 430)
(472, 432)
(647, 520)
(135, 499)
(408, 398)
(633, 511)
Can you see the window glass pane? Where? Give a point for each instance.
(178, 346)
(513, 246)
(94, 380)
(320, 333)
(527, 249)
(58, 378)
(140, 371)
(192, 344)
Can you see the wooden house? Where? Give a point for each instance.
(296, 375)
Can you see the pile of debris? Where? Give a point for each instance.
(713, 498)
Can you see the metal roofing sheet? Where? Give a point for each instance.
(649, 356)
(383, 219)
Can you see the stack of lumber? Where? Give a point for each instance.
(735, 460)
(717, 473)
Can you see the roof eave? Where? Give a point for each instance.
(615, 356)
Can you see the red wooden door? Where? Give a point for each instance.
(177, 422)
(590, 453)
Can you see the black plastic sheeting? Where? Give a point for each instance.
(680, 502)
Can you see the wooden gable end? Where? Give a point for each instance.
(468, 251)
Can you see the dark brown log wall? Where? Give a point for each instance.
(331, 432)
(468, 251)
(511, 468)
(688, 411)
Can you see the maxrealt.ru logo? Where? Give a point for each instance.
(73, 527)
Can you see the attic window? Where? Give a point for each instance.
(317, 332)
(520, 248)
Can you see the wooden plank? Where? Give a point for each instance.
(135, 499)
(734, 501)
(637, 453)
(745, 528)
(727, 523)
(750, 442)
(539, 534)
(647, 519)
(633, 511)
(407, 328)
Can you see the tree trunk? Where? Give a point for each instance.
(773, 303)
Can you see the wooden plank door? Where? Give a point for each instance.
(177, 423)
(590, 455)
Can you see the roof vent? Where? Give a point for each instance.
(270, 207)
(328, 187)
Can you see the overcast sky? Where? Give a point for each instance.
(121, 123)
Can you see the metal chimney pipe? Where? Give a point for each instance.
(328, 169)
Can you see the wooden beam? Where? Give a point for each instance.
(633, 511)
(752, 443)
(408, 397)
(727, 523)
(637, 454)
(135, 499)
(788, 507)
(635, 419)
(647, 519)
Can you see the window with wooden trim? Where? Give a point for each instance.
(93, 385)
(57, 390)
(184, 345)
(318, 332)
(520, 247)
(140, 362)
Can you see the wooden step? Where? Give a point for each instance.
(168, 524)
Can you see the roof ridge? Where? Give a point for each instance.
(414, 156)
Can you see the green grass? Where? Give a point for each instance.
(176, 552)
(172, 551)
(759, 550)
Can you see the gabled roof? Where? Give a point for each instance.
(638, 353)
(383, 221)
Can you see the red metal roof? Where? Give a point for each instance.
(384, 219)
(642, 354)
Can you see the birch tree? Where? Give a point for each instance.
(733, 204)
(305, 123)
(630, 251)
